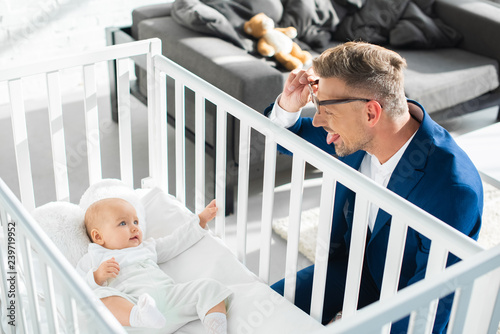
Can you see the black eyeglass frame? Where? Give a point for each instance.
(317, 103)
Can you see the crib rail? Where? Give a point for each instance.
(462, 279)
(40, 290)
(51, 71)
(405, 215)
(39, 283)
(477, 307)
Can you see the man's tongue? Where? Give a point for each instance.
(330, 138)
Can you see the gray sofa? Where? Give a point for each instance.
(447, 81)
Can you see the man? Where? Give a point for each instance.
(363, 117)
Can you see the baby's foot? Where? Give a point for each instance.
(146, 314)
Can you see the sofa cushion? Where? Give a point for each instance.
(442, 78)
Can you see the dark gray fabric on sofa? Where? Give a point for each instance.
(447, 81)
(437, 78)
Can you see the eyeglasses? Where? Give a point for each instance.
(318, 103)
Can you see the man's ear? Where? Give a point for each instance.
(96, 237)
(374, 112)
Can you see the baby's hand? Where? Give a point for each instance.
(108, 269)
(208, 214)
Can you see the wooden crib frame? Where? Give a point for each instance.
(475, 280)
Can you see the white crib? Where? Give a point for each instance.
(32, 265)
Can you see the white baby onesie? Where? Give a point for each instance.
(180, 303)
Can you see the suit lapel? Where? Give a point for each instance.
(345, 194)
(408, 171)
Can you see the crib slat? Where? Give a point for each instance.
(394, 257)
(180, 147)
(267, 209)
(124, 122)
(220, 172)
(21, 147)
(199, 152)
(482, 303)
(160, 145)
(292, 247)
(57, 137)
(459, 309)
(495, 314)
(242, 205)
(156, 173)
(435, 265)
(322, 246)
(70, 316)
(23, 323)
(394, 260)
(356, 255)
(50, 308)
(92, 124)
(27, 260)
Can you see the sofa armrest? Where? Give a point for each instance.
(478, 22)
(148, 12)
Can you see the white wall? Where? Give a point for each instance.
(32, 30)
(46, 28)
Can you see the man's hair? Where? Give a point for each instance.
(367, 69)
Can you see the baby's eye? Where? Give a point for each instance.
(136, 222)
(123, 223)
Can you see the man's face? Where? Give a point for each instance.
(343, 122)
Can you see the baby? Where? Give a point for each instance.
(123, 271)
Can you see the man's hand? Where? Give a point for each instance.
(296, 91)
(208, 214)
(108, 269)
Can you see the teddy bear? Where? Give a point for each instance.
(277, 42)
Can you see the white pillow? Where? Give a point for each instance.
(63, 223)
(164, 213)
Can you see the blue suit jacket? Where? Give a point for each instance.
(434, 174)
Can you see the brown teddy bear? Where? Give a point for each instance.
(277, 42)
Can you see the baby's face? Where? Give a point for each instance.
(119, 225)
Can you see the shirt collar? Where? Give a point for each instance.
(388, 167)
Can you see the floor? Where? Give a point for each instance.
(50, 28)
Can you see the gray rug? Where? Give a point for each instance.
(489, 236)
